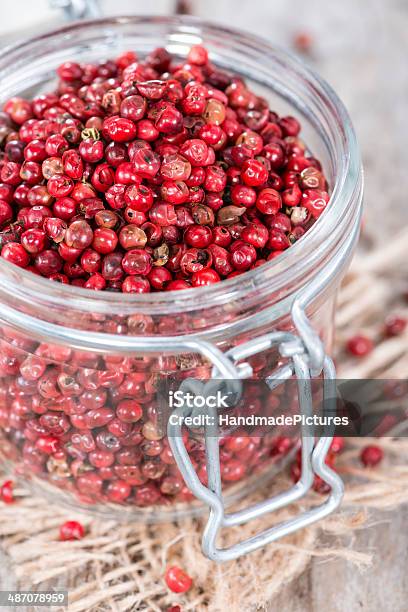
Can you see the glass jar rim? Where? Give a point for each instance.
(298, 260)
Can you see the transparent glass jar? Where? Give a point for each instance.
(110, 347)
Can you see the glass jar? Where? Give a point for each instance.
(69, 356)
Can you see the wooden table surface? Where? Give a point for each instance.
(337, 586)
(361, 48)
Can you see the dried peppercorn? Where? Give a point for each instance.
(201, 160)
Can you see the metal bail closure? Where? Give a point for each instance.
(302, 364)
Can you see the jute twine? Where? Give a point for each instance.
(120, 567)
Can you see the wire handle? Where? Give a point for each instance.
(313, 454)
(306, 359)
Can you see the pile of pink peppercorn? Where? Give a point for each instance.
(148, 175)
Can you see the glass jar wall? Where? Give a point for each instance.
(80, 371)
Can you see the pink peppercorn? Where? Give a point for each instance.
(6, 492)
(71, 530)
(371, 456)
(177, 580)
(395, 325)
(359, 345)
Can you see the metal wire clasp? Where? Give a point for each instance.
(313, 453)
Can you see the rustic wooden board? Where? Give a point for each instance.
(336, 586)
